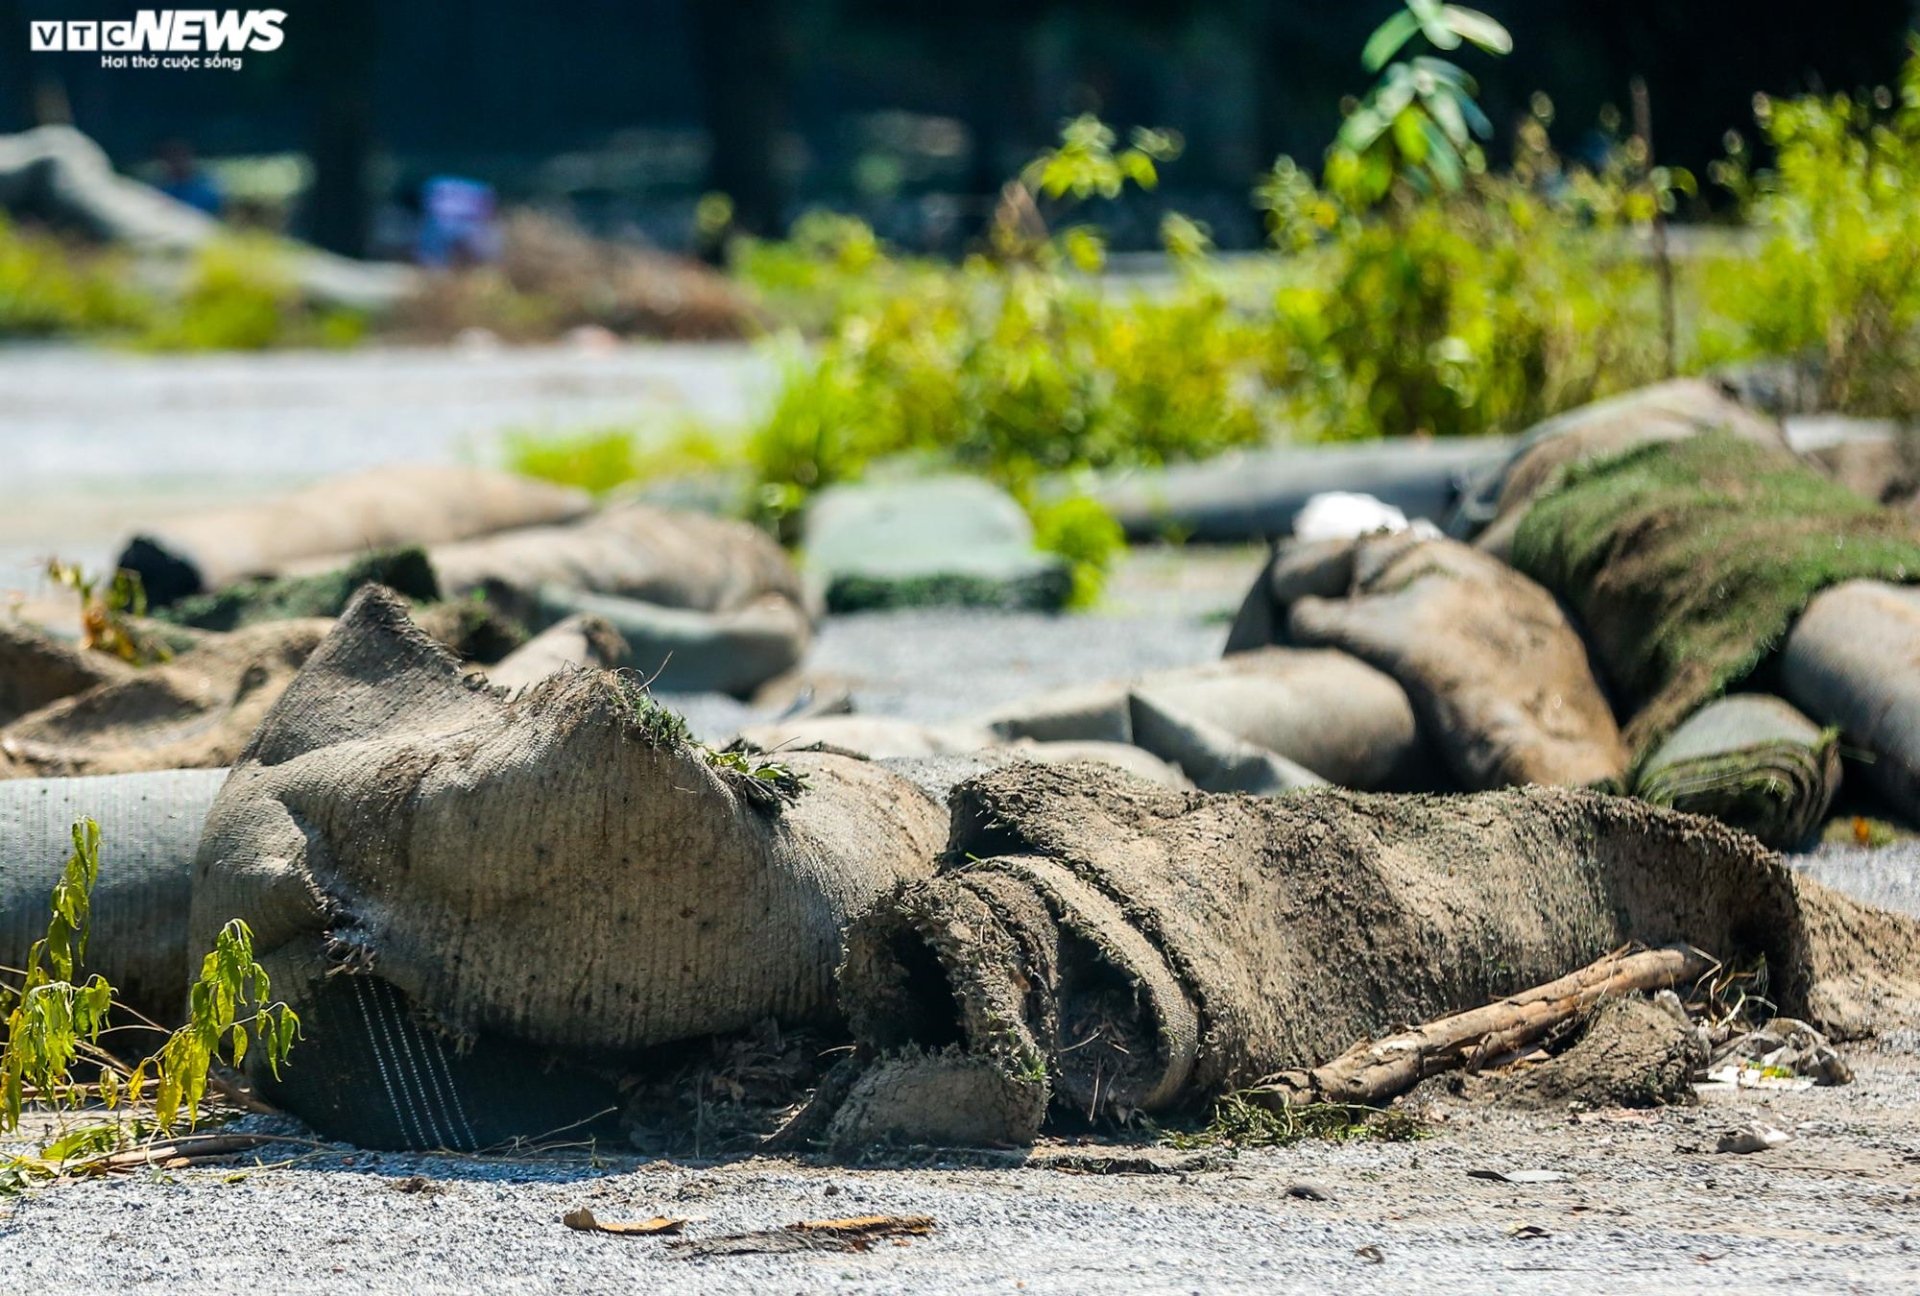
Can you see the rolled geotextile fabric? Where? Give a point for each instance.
(1668, 411)
(194, 712)
(322, 594)
(688, 561)
(1324, 711)
(1686, 563)
(149, 829)
(559, 873)
(1114, 947)
(36, 669)
(576, 641)
(1843, 665)
(1751, 761)
(682, 651)
(382, 508)
(1499, 678)
(1254, 495)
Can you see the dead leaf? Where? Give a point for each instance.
(1371, 1254)
(1527, 1232)
(582, 1219)
(867, 1226)
(855, 1233)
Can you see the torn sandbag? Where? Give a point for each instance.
(336, 520)
(1121, 948)
(37, 669)
(442, 877)
(1848, 662)
(194, 712)
(1885, 469)
(149, 829)
(1751, 761)
(934, 541)
(1686, 562)
(1320, 710)
(574, 642)
(677, 650)
(1257, 494)
(1668, 411)
(323, 594)
(1499, 679)
(687, 561)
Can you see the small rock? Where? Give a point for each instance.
(1308, 1191)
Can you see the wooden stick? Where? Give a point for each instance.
(1377, 1071)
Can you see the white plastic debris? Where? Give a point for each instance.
(1345, 515)
(1756, 1137)
(1783, 1054)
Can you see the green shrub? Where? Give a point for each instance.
(1835, 280)
(1083, 531)
(601, 459)
(238, 296)
(50, 289)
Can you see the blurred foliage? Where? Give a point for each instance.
(1835, 281)
(49, 288)
(239, 297)
(1449, 314)
(601, 459)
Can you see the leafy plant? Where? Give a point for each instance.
(601, 459)
(1835, 282)
(1238, 1123)
(238, 296)
(1419, 123)
(55, 1024)
(105, 612)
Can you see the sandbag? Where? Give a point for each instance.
(678, 650)
(1324, 712)
(335, 520)
(1849, 662)
(1686, 563)
(678, 560)
(322, 594)
(1885, 470)
(889, 738)
(439, 876)
(1751, 761)
(1256, 494)
(934, 541)
(1499, 679)
(1668, 411)
(575, 642)
(1111, 947)
(194, 712)
(37, 669)
(149, 829)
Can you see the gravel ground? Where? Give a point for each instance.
(93, 441)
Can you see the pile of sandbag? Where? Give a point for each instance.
(700, 603)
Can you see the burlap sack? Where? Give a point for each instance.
(321, 594)
(439, 877)
(888, 738)
(1323, 712)
(1668, 411)
(573, 643)
(1114, 947)
(149, 830)
(678, 560)
(1751, 761)
(1499, 679)
(1849, 662)
(194, 712)
(37, 669)
(338, 519)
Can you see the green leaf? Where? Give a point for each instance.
(1387, 39)
(1477, 27)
